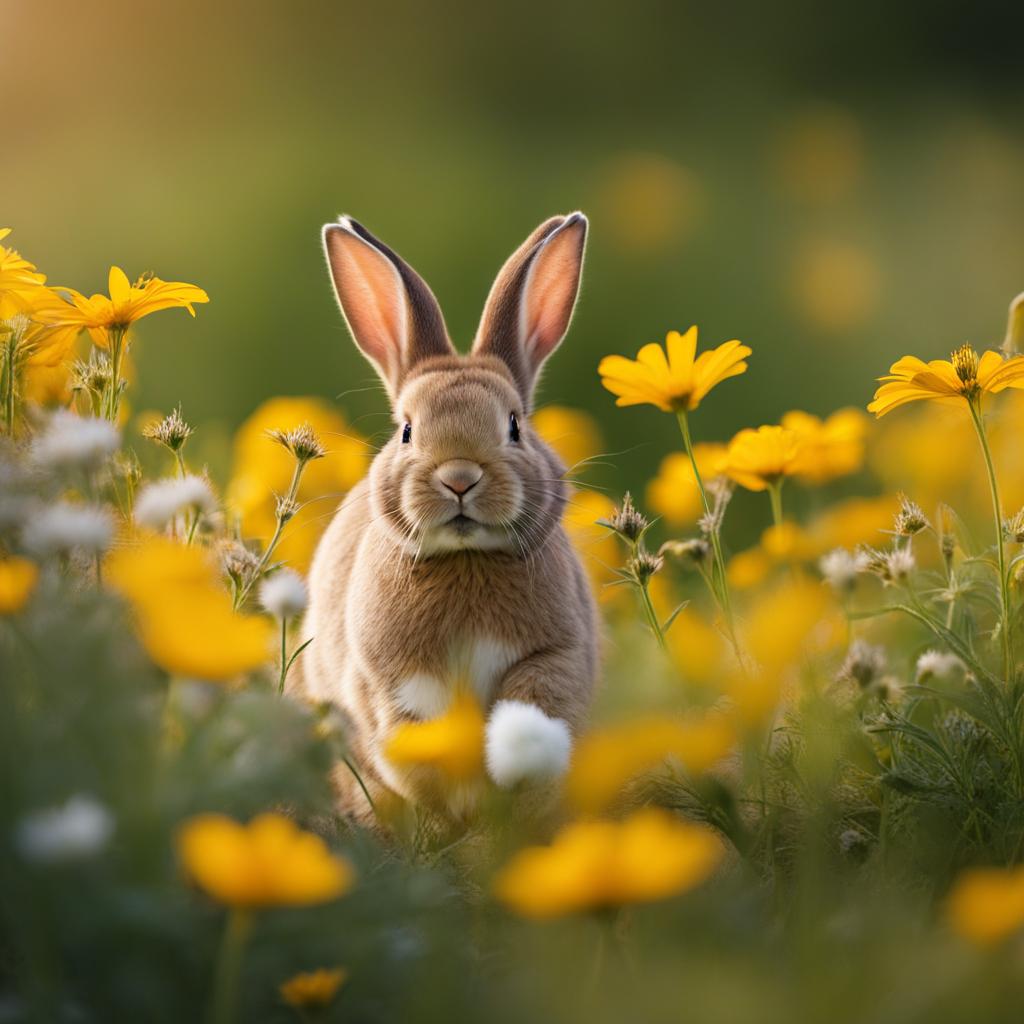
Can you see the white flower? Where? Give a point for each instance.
(64, 527)
(159, 502)
(284, 594)
(840, 568)
(80, 828)
(524, 743)
(938, 665)
(71, 441)
(900, 563)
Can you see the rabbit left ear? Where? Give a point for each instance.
(532, 300)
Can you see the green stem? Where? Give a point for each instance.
(775, 495)
(116, 341)
(652, 615)
(223, 1008)
(719, 582)
(284, 656)
(9, 382)
(1004, 592)
(362, 785)
(278, 530)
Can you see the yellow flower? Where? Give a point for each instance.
(830, 448)
(606, 760)
(649, 856)
(263, 470)
(747, 569)
(126, 303)
(851, 522)
(695, 645)
(312, 988)
(18, 278)
(452, 743)
(573, 434)
(184, 615)
(758, 459)
(18, 579)
(964, 377)
(596, 545)
(677, 383)
(791, 621)
(673, 493)
(986, 905)
(269, 862)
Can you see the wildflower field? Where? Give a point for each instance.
(799, 795)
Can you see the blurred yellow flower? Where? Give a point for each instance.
(453, 743)
(787, 542)
(573, 433)
(747, 569)
(673, 384)
(833, 284)
(830, 448)
(46, 385)
(795, 619)
(695, 646)
(963, 377)
(591, 864)
(758, 459)
(312, 988)
(851, 522)
(126, 303)
(18, 579)
(986, 905)
(263, 470)
(596, 545)
(606, 760)
(673, 493)
(184, 616)
(269, 862)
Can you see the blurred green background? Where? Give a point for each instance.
(835, 185)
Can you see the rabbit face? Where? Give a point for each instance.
(464, 470)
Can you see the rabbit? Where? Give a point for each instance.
(449, 559)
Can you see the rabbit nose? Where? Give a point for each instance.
(459, 475)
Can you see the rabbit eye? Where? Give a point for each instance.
(407, 433)
(513, 427)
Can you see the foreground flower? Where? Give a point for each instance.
(65, 527)
(762, 458)
(312, 988)
(963, 377)
(986, 905)
(270, 862)
(126, 303)
(452, 743)
(607, 759)
(70, 441)
(677, 383)
(185, 619)
(159, 502)
(18, 579)
(593, 864)
(284, 594)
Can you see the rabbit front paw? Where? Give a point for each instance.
(523, 743)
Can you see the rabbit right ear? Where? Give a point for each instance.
(392, 314)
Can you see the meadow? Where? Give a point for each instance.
(801, 794)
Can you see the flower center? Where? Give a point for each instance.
(965, 362)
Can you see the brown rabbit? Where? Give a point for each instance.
(449, 560)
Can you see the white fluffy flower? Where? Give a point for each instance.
(938, 665)
(79, 828)
(840, 568)
(159, 502)
(524, 743)
(900, 564)
(284, 594)
(64, 527)
(72, 441)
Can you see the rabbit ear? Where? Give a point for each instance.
(532, 299)
(392, 314)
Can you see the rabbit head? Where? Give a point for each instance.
(463, 469)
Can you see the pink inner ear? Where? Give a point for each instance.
(372, 298)
(550, 294)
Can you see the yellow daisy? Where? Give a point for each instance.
(676, 383)
(126, 303)
(759, 459)
(963, 377)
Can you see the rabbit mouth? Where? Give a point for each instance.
(462, 524)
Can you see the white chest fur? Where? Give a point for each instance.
(479, 663)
